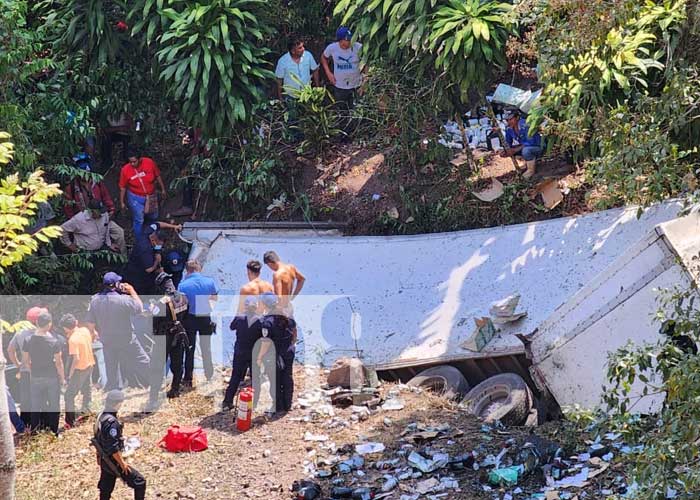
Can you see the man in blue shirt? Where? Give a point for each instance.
(295, 69)
(199, 290)
(519, 142)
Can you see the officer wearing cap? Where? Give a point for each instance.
(110, 313)
(282, 330)
(174, 265)
(146, 257)
(109, 443)
(248, 331)
(169, 336)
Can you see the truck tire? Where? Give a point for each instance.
(445, 380)
(505, 397)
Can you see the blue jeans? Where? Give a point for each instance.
(531, 152)
(137, 205)
(14, 416)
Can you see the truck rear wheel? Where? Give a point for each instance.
(505, 397)
(444, 379)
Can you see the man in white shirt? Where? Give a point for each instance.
(346, 77)
(295, 69)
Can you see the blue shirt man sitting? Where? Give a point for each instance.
(520, 142)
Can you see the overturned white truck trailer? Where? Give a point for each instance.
(406, 303)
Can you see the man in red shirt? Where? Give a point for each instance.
(79, 191)
(137, 186)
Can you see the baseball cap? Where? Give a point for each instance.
(111, 278)
(343, 33)
(510, 113)
(34, 312)
(269, 299)
(82, 161)
(97, 205)
(175, 261)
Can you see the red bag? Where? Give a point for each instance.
(184, 439)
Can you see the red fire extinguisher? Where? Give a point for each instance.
(244, 415)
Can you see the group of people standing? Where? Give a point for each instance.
(341, 63)
(141, 338)
(47, 360)
(266, 331)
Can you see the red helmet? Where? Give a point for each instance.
(34, 312)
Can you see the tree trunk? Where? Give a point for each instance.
(494, 124)
(7, 445)
(467, 150)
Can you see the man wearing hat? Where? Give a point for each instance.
(169, 336)
(91, 230)
(346, 76)
(520, 142)
(109, 443)
(15, 351)
(146, 256)
(174, 265)
(80, 190)
(110, 313)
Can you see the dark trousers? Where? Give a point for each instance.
(79, 382)
(25, 398)
(285, 378)
(130, 360)
(344, 103)
(242, 362)
(46, 398)
(163, 349)
(133, 480)
(202, 324)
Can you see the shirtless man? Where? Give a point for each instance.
(255, 286)
(283, 278)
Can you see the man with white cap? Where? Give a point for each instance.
(109, 443)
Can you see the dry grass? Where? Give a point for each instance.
(237, 465)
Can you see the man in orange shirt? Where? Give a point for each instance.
(79, 379)
(137, 187)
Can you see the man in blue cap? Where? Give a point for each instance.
(346, 76)
(110, 314)
(248, 332)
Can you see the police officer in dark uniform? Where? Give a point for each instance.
(282, 330)
(248, 331)
(170, 338)
(109, 443)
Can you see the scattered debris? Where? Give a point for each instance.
(348, 373)
(369, 448)
(491, 193)
(503, 311)
(482, 335)
(550, 192)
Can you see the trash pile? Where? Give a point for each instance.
(370, 449)
(478, 131)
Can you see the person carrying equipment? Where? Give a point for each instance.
(109, 443)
